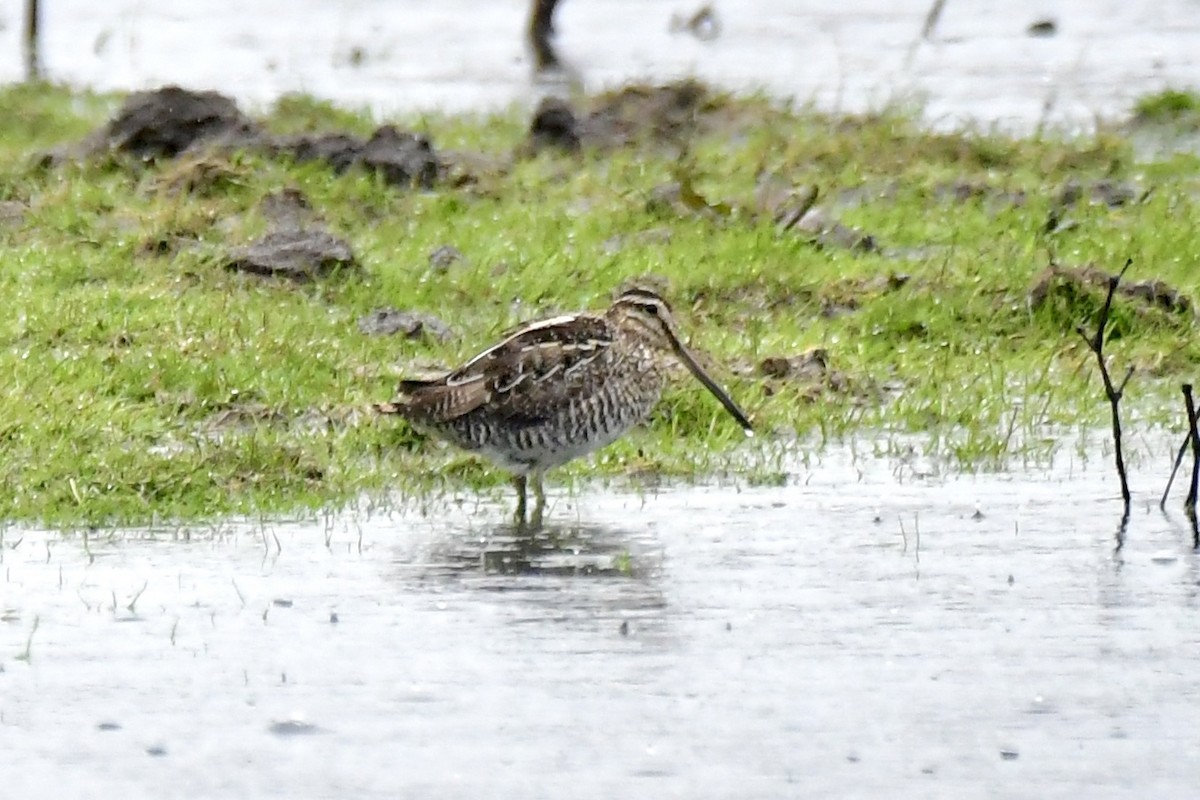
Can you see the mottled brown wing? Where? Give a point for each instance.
(519, 378)
(551, 375)
(435, 401)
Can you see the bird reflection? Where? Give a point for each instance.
(596, 576)
(551, 550)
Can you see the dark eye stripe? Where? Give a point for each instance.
(646, 300)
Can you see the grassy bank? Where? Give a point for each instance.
(146, 381)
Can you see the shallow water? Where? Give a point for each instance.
(861, 631)
(980, 67)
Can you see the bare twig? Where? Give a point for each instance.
(1193, 438)
(33, 59)
(1111, 391)
(540, 33)
(931, 19)
(26, 655)
(1121, 528)
(132, 607)
(1190, 404)
(1162, 504)
(917, 529)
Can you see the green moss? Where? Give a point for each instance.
(148, 383)
(1167, 105)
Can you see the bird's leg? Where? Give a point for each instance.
(520, 481)
(539, 499)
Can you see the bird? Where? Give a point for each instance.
(556, 389)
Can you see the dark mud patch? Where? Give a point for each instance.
(167, 122)
(810, 375)
(298, 246)
(1057, 285)
(400, 158)
(555, 126)
(170, 122)
(810, 365)
(442, 258)
(966, 191)
(1042, 28)
(410, 324)
(639, 114)
(300, 255)
(1105, 192)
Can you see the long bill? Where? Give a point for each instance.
(694, 367)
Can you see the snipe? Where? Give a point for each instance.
(556, 389)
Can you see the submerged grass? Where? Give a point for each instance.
(148, 383)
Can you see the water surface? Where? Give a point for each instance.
(980, 67)
(869, 629)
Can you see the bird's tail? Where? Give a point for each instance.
(405, 390)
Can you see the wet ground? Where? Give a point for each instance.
(1015, 64)
(871, 628)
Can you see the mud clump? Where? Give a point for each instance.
(1113, 194)
(298, 246)
(810, 365)
(412, 324)
(398, 157)
(554, 127)
(671, 113)
(810, 371)
(1055, 280)
(636, 112)
(444, 257)
(966, 191)
(301, 255)
(169, 122)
